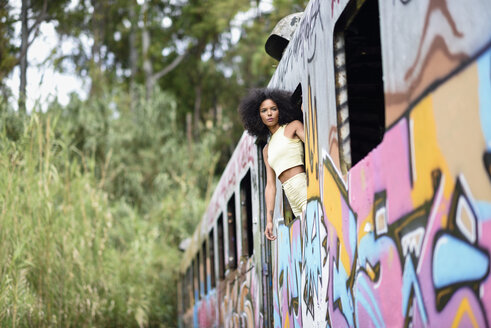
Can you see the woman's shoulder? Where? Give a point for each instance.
(293, 125)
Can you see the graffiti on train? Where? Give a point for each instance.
(403, 239)
(240, 305)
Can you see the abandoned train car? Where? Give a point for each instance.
(397, 232)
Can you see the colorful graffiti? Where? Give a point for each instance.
(235, 302)
(405, 241)
(240, 299)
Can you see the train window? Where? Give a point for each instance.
(183, 289)
(288, 215)
(195, 282)
(188, 289)
(246, 215)
(191, 284)
(359, 81)
(211, 255)
(232, 240)
(198, 276)
(204, 264)
(221, 248)
(297, 97)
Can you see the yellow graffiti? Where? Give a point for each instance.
(287, 321)
(426, 154)
(366, 227)
(464, 308)
(333, 210)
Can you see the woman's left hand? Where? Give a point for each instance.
(269, 231)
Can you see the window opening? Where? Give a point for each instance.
(297, 97)
(188, 294)
(359, 81)
(198, 276)
(221, 248)
(246, 215)
(232, 240)
(182, 291)
(211, 244)
(191, 284)
(204, 264)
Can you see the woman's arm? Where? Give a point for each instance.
(270, 195)
(299, 130)
(295, 129)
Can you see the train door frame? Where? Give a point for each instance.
(266, 249)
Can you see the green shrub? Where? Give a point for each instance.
(94, 199)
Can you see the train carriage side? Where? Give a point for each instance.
(224, 271)
(397, 110)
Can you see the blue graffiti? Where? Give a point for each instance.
(371, 249)
(367, 304)
(456, 261)
(282, 270)
(483, 210)
(340, 292)
(295, 268)
(352, 233)
(410, 281)
(289, 262)
(484, 73)
(283, 256)
(312, 252)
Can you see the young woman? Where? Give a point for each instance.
(270, 112)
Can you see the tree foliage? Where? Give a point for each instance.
(96, 196)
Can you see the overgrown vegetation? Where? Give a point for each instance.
(94, 200)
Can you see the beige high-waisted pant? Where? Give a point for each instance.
(296, 191)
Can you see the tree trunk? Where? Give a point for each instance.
(197, 108)
(214, 96)
(98, 26)
(133, 53)
(189, 134)
(23, 56)
(147, 63)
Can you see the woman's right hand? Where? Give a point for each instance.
(269, 231)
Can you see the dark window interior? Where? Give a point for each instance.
(198, 275)
(191, 284)
(246, 215)
(205, 264)
(187, 289)
(297, 97)
(182, 291)
(364, 80)
(232, 240)
(221, 248)
(211, 244)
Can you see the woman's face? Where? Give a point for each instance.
(269, 113)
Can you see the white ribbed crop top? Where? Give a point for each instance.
(283, 152)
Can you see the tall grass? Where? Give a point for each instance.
(74, 253)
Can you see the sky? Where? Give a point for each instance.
(44, 83)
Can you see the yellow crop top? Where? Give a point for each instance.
(283, 152)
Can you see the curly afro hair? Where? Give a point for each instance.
(249, 110)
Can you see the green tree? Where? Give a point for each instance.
(33, 13)
(8, 58)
